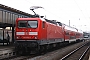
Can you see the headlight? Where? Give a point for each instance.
(35, 37)
(17, 37)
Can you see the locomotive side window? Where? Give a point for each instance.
(32, 24)
(66, 33)
(43, 24)
(22, 24)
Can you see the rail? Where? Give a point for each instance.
(84, 53)
(68, 55)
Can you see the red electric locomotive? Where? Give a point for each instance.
(32, 33)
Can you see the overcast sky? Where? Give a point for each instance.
(77, 11)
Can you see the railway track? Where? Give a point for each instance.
(78, 53)
(56, 55)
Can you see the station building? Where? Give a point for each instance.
(8, 16)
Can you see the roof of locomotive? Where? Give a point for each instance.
(42, 19)
(30, 19)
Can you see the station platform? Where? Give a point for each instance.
(6, 46)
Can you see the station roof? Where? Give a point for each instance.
(4, 25)
(13, 10)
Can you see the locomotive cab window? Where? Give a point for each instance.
(28, 24)
(32, 24)
(22, 24)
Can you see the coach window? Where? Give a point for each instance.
(43, 24)
(78, 34)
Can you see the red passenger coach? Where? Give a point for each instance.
(79, 35)
(71, 34)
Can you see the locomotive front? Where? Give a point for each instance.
(26, 33)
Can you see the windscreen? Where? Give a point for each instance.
(32, 24)
(22, 24)
(28, 24)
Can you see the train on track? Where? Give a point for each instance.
(36, 34)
